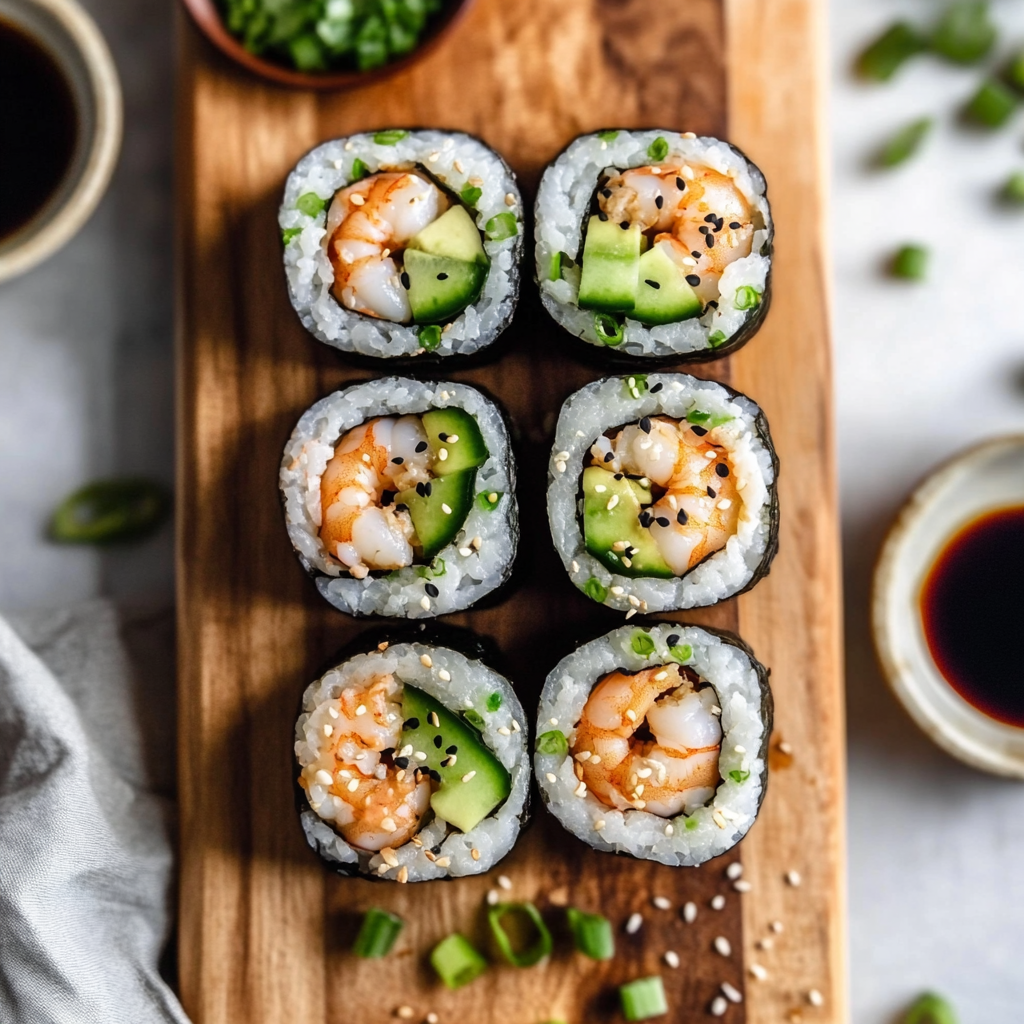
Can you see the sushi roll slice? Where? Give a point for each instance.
(662, 492)
(399, 497)
(653, 741)
(412, 763)
(654, 244)
(401, 244)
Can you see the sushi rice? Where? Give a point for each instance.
(459, 682)
(454, 159)
(480, 558)
(741, 684)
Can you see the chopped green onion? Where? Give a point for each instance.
(681, 653)
(905, 143)
(992, 105)
(609, 330)
(532, 953)
(691, 824)
(109, 511)
(501, 226)
(359, 170)
(377, 933)
(883, 58)
(739, 776)
(658, 149)
(456, 961)
(595, 590)
(553, 742)
(719, 418)
(910, 263)
(307, 53)
(642, 644)
(747, 297)
(390, 137)
(310, 204)
(608, 136)
(429, 337)
(716, 338)
(1013, 190)
(965, 33)
(592, 934)
(930, 1009)
(643, 998)
(634, 382)
(697, 416)
(289, 233)
(555, 274)
(494, 702)
(488, 501)
(1015, 72)
(437, 567)
(474, 718)
(470, 194)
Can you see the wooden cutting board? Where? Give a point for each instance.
(265, 931)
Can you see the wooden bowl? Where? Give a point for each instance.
(207, 16)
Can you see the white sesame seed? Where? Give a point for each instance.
(724, 503)
(446, 508)
(645, 773)
(443, 862)
(669, 830)
(734, 870)
(671, 958)
(575, 566)
(425, 603)
(420, 756)
(553, 721)
(560, 466)
(690, 912)
(617, 591)
(353, 785)
(406, 751)
(634, 924)
(689, 135)
(551, 777)
(332, 712)
(630, 613)
(599, 824)
(357, 200)
(583, 755)
(740, 749)
(465, 552)
(733, 994)
(493, 897)
(766, 944)
(457, 164)
(382, 869)
(510, 199)
(468, 776)
(389, 857)
(661, 675)
(405, 1012)
(361, 710)
(476, 542)
(717, 902)
(662, 902)
(776, 926)
(612, 502)
(515, 725)
(426, 662)
(759, 972)
(722, 946)
(444, 675)
(793, 878)
(434, 157)
(742, 885)
(475, 853)
(785, 748)
(580, 790)
(505, 882)
(600, 489)
(328, 730)
(716, 817)
(633, 599)
(324, 778)
(504, 730)
(432, 1018)
(443, 454)
(719, 1006)
(388, 824)
(562, 455)
(815, 998)
(688, 261)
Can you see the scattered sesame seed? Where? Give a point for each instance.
(389, 857)
(425, 603)
(719, 1006)
(785, 748)
(583, 755)
(324, 778)
(631, 714)
(505, 882)
(465, 552)
(388, 824)
(733, 994)
(443, 862)
(357, 200)
(432, 1018)
(717, 902)
(328, 730)
(504, 730)
(793, 878)
(457, 164)
(427, 662)
(332, 712)
(444, 675)
(612, 502)
(742, 885)
(510, 199)
(599, 824)
(734, 870)
(560, 466)
(515, 725)
(353, 785)
(776, 926)
(420, 756)
(600, 489)
(766, 944)
(580, 790)
(630, 613)
(757, 971)
(634, 924)
(716, 817)
(559, 897)
(361, 710)
(671, 958)
(551, 777)
(575, 566)
(405, 1012)
(478, 541)
(689, 135)
(723, 946)
(815, 998)
(690, 912)
(740, 750)
(475, 853)
(669, 830)
(493, 897)
(662, 902)
(617, 591)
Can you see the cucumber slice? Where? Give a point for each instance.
(663, 294)
(435, 528)
(454, 235)
(611, 267)
(440, 287)
(468, 452)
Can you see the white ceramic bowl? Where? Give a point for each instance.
(75, 43)
(982, 479)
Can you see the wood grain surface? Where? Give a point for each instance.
(265, 931)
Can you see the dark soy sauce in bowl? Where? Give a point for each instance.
(972, 609)
(38, 128)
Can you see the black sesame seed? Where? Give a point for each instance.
(421, 490)
(453, 749)
(435, 850)
(386, 498)
(405, 280)
(659, 201)
(722, 469)
(422, 446)
(442, 277)
(703, 229)
(645, 519)
(699, 431)
(661, 521)
(709, 241)
(713, 304)
(696, 255)
(681, 518)
(652, 284)
(427, 488)
(387, 751)
(606, 192)
(656, 388)
(431, 589)
(672, 639)
(624, 225)
(401, 508)
(645, 424)
(735, 225)
(436, 776)
(693, 280)
(602, 216)
(411, 723)
(401, 762)
(618, 476)
(711, 492)
(438, 741)
(398, 460)
(680, 184)
(710, 219)
(609, 456)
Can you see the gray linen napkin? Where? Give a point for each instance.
(86, 745)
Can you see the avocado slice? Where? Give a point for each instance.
(604, 527)
(453, 234)
(462, 804)
(468, 452)
(611, 267)
(663, 295)
(440, 287)
(426, 503)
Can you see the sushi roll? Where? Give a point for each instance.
(662, 492)
(399, 497)
(412, 762)
(402, 244)
(654, 244)
(653, 741)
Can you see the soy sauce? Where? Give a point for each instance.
(972, 608)
(38, 128)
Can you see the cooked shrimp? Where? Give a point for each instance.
(353, 782)
(367, 224)
(696, 214)
(675, 771)
(700, 507)
(358, 527)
